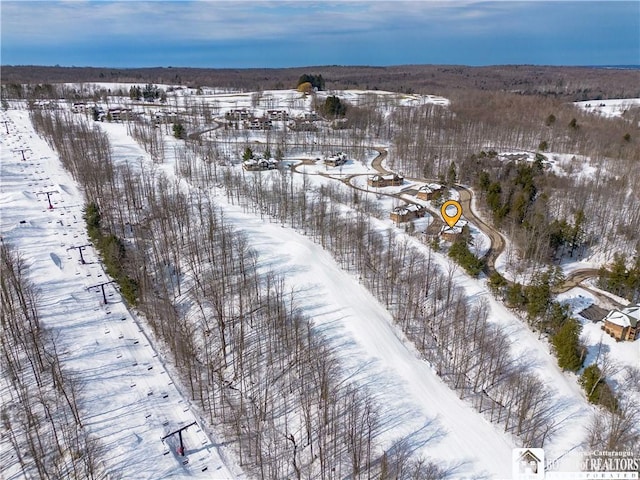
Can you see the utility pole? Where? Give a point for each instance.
(6, 125)
(180, 449)
(48, 194)
(80, 248)
(101, 285)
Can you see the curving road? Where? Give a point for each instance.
(498, 243)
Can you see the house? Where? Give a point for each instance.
(429, 191)
(237, 114)
(78, 107)
(259, 164)
(336, 160)
(258, 124)
(119, 114)
(165, 116)
(390, 180)
(281, 115)
(451, 234)
(623, 324)
(406, 213)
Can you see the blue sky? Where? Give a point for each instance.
(238, 34)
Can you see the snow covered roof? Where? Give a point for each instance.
(457, 228)
(390, 176)
(405, 209)
(627, 317)
(430, 187)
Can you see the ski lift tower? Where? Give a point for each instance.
(180, 449)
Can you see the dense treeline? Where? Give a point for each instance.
(547, 211)
(567, 83)
(622, 280)
(41, 419)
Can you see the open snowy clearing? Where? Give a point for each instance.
(613, 107)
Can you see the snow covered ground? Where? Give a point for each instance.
(614, 107)
(128, 397)
(416, 404)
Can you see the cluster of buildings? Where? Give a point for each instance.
(112, 114)
(249, 121)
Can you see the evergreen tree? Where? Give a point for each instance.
(460, 252)
(248, 154)
(597, 389)
(178, 130)
(316, 81)
(452, 176)
(135, 93)
(577, 231)
(566, 343)
(334, 107)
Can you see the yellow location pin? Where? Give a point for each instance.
(448, 214)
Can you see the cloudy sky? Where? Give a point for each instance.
(221, 33)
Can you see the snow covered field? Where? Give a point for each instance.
(128, 399)
(614, 107)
